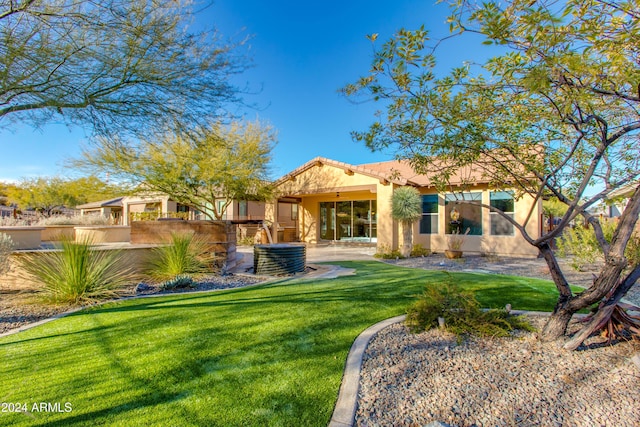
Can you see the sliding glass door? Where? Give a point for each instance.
(350, 221)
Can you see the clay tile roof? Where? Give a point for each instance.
(361, 169)
(396, 171)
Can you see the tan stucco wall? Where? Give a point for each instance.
(52, 233)
(514, 245)
(24, 237)
(103, 234)
(328, 183)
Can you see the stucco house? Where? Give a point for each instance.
(123, 210)
(330, 201)
(618, 200)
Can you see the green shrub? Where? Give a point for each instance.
(6, 246)
(186, 254)
(245, 241)
(385, 252)
(461, 313)
(418, 250)
(581, 245)
(78, 273)
(179, 282)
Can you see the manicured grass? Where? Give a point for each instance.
(267, 355)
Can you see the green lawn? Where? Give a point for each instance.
(267, 355)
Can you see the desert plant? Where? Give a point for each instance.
(186, 254)
(11, 222)
(384, 251)
(581, 245)
(461, 313)
(455, 240)
(418, 250)
(78, 273)
(74, 220)
(180, 281)
(6, 246)
(406, 207)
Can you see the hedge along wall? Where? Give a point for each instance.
(221, 235)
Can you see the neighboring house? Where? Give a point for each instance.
(329, 201)
(617, 200)
(111, 209)
(6, 211)
(123, 210)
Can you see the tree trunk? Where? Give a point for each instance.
(604, 311)
(557, 324)
(608, 282)
(407, 239)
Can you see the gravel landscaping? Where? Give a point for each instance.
(19, 307)
(415, 379)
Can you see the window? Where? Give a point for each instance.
(220, 206)
(429, 220)
(465, 215)
(242, 209)
(348, 221)
(503, 201)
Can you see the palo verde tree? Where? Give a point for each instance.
(554, 113)
(406, 207)
(114, 66)
(209, 171)
(44, 194)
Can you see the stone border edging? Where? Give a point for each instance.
(344, 412)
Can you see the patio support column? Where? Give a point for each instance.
(276, 214)
(125, 212)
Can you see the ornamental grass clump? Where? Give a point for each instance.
(78, 273)
(186, 254)
(461, 313)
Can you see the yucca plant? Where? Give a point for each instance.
(186, 254)
(78, 273)
(406, 207)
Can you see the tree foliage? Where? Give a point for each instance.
(208, 172)
(554, 113)
(44, 194)
(116, 66)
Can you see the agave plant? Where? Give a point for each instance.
(186, 254)
(78, 273)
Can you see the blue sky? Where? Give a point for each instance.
(303, 53)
